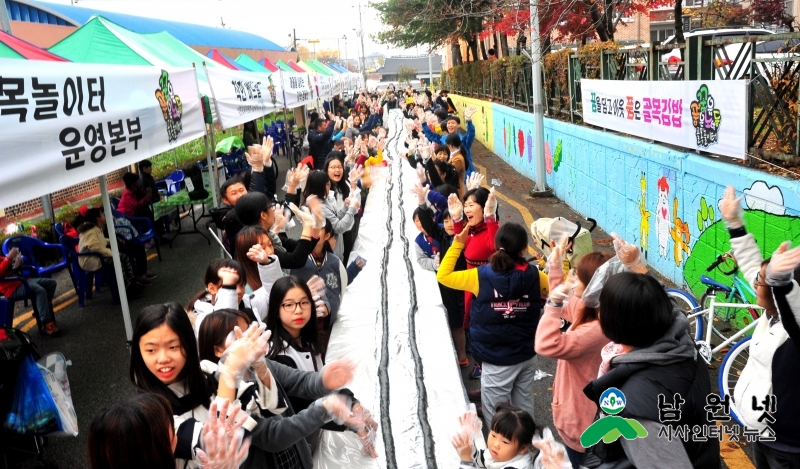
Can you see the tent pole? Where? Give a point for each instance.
(123, 298)
(210, 132)
(175, 154)
(210, 170)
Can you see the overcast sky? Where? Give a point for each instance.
(325, 20)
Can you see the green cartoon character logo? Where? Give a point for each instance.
(171, 106)
(272, 91)
(610, 427)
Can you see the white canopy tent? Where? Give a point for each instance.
(81, 121)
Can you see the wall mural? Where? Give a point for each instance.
(644, 216)
(627, 185)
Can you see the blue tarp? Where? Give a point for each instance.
(189, 34)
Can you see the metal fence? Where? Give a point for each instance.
(771, 64)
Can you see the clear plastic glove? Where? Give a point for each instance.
(242, 352)
(469, 422)
(627, 253)
(304, 215)
(474, 181)
(303, 172)
(455, 207)
(563, 291)
(267, 146)
(420, 192)
(338, 374)
(462, 443)
(316, 285)
(432, 121)
(254, 158)
(469, 112)
(320, 307)
(468, 426)
(557, 253)
(421, 174)
(258, 254)
(228, 275)
(315, 205)
(354, 202)
(355, 175)
(291, 181)
(552, 454)
(730, 208)
(279, 225)
(222, 438)
(782, 265)
(412, 146)
(338, 407)
(490, 208)
(591, 294)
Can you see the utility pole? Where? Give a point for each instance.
(294, 39)
(538, 107)
(363, 54)
(5, 24)
(430, 72)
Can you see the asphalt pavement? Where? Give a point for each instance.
(93, 336)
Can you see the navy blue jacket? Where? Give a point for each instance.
(504, 315)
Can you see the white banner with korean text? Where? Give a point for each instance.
(64, 123)
(243, 96)
(706, 115)
(298, 89)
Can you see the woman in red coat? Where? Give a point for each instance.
(477, 212)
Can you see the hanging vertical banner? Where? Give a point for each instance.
(243, 96)
(705, 115)
(326, 87)
(297, 88)
(64, 123)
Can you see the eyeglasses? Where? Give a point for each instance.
(757, 283)
(291, 306)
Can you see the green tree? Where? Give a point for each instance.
(406, 74)
(433, 23)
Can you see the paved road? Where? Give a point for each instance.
(94, 338)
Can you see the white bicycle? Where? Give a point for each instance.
(701, 320)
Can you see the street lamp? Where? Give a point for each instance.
(314, 42)
(360, 34)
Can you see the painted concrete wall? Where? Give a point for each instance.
(665, 201)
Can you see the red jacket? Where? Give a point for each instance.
(478, 248)
(130, 205)
(7, 288)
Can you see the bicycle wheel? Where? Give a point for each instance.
(738, 318)
(686, 303)
(732, 365)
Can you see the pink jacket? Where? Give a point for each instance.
(578, 354)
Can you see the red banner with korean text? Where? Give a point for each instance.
(64, 123)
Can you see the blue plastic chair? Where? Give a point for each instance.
(87, 279)
(7, 305)
(59, 227)
(234, 163)
(31, 267)
(144, 227)
(114, 202)
(174, 181)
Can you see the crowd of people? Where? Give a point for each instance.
(258, 328)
